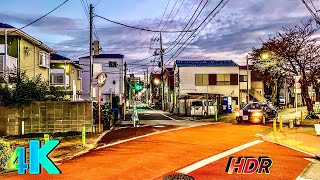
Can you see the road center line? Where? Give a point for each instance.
(164, 114)
(216, 157)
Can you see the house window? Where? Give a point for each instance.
(113, 82)
(44, 59)
(57, 79)
(201, 80)
(243, 78)
(112, 64)
(79, 74)
(223, 79)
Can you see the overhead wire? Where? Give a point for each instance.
(41, 17)
(176, 54)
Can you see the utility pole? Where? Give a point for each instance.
(247, 59)
(147, 94)
(162, 80)
(91, 54)
(125, 91)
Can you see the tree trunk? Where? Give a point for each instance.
(306, 96)
(278, 93)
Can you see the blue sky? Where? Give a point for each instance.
(231, 34)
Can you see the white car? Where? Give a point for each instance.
(199, 108)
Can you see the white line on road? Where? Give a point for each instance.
(211, 159)
(164, 114)
(138, 137)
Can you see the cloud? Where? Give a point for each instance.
(230, 35)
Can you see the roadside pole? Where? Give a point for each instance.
(162, 80)
(99, 107)
(83, 139)
(280, 123)
(125, 91)
(274, 127)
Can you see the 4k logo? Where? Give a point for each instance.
(38, 156)
(249, 165)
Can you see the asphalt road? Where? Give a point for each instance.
(158, 155)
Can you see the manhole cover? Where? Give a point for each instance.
(178, 177)
(159, 126)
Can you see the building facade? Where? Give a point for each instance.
(23, 52)
(194, 80)
(112, 66)
(66, 74)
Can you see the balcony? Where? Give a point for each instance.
(8, 66)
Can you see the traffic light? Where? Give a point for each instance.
(137, 87)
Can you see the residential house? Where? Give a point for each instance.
(255, 85)
(110, 64)
(67, 74)
(196, 80)
(23, 52)
(168, 78)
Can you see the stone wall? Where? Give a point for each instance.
(46, 116)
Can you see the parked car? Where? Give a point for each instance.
(257, 112)
(199, 108)
(282, 100)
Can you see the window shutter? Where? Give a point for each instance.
(233, 79)
(198, 79)
(205, 80)
(212, 79)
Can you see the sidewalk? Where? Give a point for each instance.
(301, 138)
(290, 113)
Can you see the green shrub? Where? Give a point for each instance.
(5, 152)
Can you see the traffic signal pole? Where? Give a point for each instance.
(162, 79)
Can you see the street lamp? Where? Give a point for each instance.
(156, 81)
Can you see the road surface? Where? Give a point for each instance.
(158, 155)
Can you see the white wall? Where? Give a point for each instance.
(114, 74)
(243, 85)
(187, 80)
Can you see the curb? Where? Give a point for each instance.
(293, 148)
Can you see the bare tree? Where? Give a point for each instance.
(292, 52)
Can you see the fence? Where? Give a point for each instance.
(46, 117)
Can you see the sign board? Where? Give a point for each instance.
(317, 129)
(102, 78)
(2, 48)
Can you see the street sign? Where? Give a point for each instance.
(102, 78)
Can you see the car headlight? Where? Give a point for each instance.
(257, 114)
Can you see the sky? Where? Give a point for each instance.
(231, 34)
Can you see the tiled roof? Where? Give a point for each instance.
(206, 63)
(3, 25)
(106, 56)
(58, 57)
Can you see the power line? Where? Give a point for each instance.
(40, 17)
(138, 28)
(175, 54)
(179, 40)
(97, 3)
(165, 10)
(169, 14)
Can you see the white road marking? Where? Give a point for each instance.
(216, 157)
(138, 137)
(164, 115)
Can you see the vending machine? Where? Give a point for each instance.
(227, 104)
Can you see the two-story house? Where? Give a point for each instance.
(67, 74)
(112, 66)
(196, 80)
(20, 50)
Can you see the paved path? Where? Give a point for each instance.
(154, 156)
